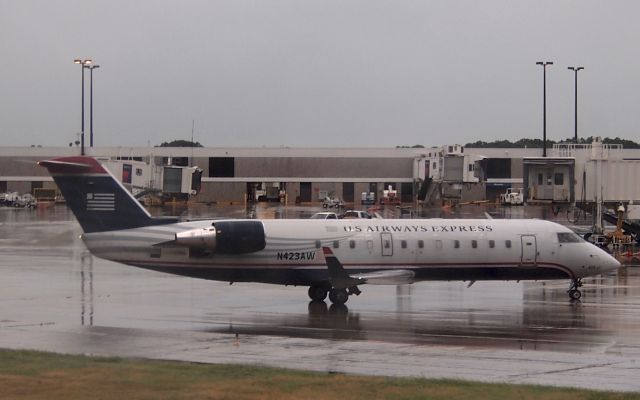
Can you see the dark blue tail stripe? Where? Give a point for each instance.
(100, 203)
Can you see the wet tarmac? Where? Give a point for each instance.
(54, 296)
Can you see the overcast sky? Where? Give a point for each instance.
(317, 72)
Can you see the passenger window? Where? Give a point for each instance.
(369, 244)
(456, 244)
(507, 243)
(474, 244)
(403, 244)
(420, 244)
(438, 244)
(492, 244)
(352, 244)
(336, 244)
(318, 244)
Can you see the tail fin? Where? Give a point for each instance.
(98, 201)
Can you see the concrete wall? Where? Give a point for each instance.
(21, 166)
(222, 192)
(516, 168)
(322, 167)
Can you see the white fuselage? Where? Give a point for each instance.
(435, 249)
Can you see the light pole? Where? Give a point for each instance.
(544, 105)
(575, 70)
(91, 68)
(83, 64)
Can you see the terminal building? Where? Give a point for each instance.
(450, 173)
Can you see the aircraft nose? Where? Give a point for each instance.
(610, 263)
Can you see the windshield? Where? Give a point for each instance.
(568, 237)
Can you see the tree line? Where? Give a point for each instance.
(537, 143)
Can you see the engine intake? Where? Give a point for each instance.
(226, 237)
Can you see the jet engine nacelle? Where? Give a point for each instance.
(225, 237)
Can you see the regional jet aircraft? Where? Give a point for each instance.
(333, 257)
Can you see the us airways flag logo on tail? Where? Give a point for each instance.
(101, 202)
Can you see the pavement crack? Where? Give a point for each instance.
(557, 371)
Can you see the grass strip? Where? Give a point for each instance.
(38, 375)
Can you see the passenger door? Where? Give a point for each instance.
(529, 250)
(387, 244)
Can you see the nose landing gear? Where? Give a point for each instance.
(574, 291)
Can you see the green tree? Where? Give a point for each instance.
(180, 143)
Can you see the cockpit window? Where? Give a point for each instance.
(568, 237)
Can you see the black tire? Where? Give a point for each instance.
(338, 296)
(575, 294)
(317, 293)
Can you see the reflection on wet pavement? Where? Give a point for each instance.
(56, 296)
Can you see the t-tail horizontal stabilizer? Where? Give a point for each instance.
(341, 279)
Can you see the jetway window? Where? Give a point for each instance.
(421, 244)
(492, 244)
(474, 244)
(456, 244)
(558, 179)
(507, 243)
(352, 244)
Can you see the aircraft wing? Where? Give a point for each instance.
(387, 277)
(341, 279)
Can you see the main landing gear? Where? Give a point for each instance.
(339, 286)
(574, 291)
(337, 296)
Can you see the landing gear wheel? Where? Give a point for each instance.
(574, 291)
(338, 296)
(317, 293)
